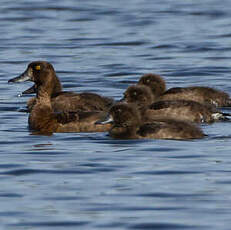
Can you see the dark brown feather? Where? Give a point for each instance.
(129, 124)
(201, 94)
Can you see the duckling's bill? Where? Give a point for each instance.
(106, 120)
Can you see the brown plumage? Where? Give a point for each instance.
(128, 124)
(141, 95)
(44, 120)
(172, 109)
(201, 94)
(155, 82)
(43, 73)
(185, 110)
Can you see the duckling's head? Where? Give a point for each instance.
(138, 94)
(155, 82)
(125, 115)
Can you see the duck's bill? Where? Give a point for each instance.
(107, 120)
(21, 78)
(30, 90)
(123, 99)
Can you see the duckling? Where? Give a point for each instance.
(128, 124)
(201, 94)
(191, 111)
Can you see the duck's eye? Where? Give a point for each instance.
(37, 67)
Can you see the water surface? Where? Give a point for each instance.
(90, 181)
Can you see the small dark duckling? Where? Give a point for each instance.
(155, 82)
(141, 95)
(201, 94)
(128, 124)
(191, 111)
(43, 74)
(43, 120)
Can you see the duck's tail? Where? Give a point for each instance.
(220, 116)
(227, 102)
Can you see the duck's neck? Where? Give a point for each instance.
(123, 132)
(49, 84)
(43, 97)
(57, 87)
(47, 87)
(143, 104)
(41, 117)
(157, 89)
(127, 129)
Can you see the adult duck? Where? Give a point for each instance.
(44, 120)
(43, 75)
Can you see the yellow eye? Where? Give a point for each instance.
(37, 67)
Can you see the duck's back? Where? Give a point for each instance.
(69, 101)
(81, 121)
(183, 110)
(169, 129)
(44, 120)
(204, 95)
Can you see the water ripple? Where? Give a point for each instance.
(163, 226)
(10, 195)
(89, 180)
(51, 224)
(166, 172)
(22, 172)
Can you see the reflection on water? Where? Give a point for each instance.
(89, 180)
(42, 147)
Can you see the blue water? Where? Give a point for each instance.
(90, 181)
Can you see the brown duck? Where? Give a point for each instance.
(44, 120)
(43, 74)
(201, 94)
(128, 124)
(191, 111)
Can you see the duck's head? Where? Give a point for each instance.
(155, 82)
(138, 94)
(41, 73)
(36, 72)
(123, 115)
